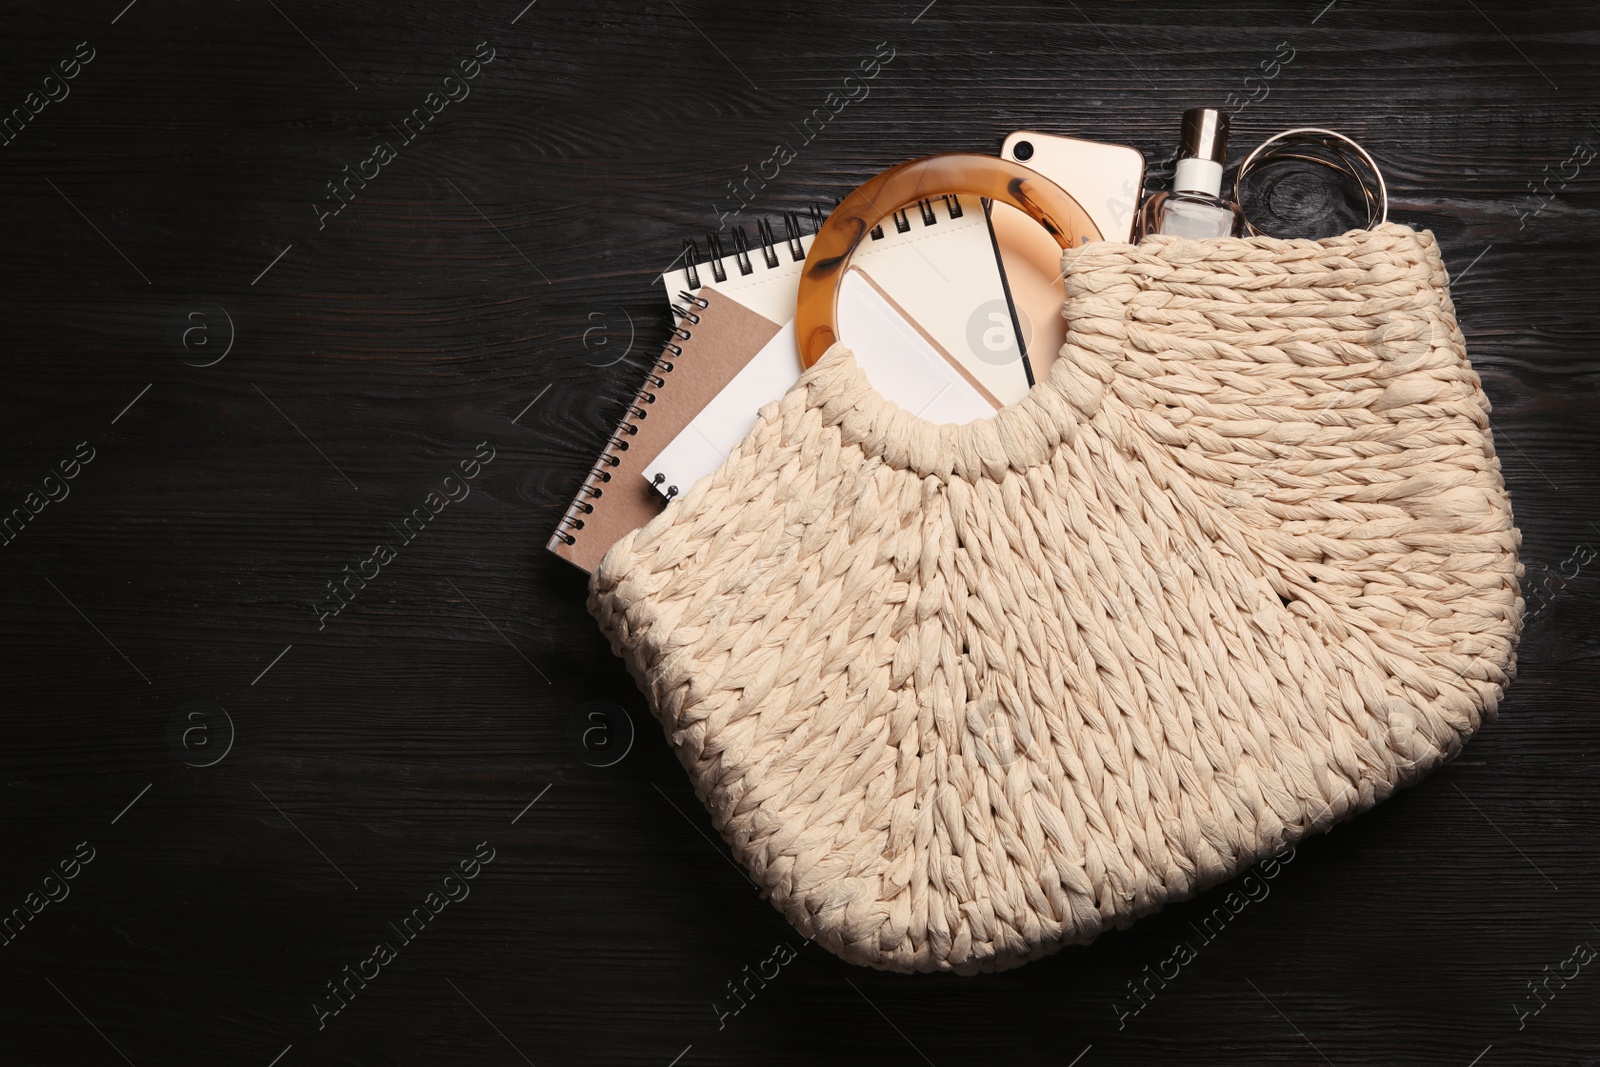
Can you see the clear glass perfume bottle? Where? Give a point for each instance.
(1195, 207)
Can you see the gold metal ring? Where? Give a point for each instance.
(1295, 144)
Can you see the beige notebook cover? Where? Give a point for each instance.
(616, 497)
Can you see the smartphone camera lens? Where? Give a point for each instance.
(1022, 150)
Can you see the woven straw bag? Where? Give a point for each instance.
(1241, 566)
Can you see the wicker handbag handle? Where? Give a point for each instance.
(879, 197)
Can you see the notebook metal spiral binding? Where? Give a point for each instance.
(738, 245)
(686, 312)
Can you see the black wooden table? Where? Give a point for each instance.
(219, 798)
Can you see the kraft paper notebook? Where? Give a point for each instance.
(616, 498)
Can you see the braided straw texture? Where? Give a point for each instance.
(1241, 566)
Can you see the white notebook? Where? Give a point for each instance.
(902, 362)
(943, 270)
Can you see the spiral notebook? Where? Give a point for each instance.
(616, 498)
(937, 260)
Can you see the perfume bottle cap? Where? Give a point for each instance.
(1202, 152)
(1205, 135)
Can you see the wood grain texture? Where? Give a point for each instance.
(455, 295)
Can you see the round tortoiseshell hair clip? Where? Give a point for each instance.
(879, 197)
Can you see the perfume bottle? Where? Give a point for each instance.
(1195, 207)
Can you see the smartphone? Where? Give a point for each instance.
(1107, 180)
